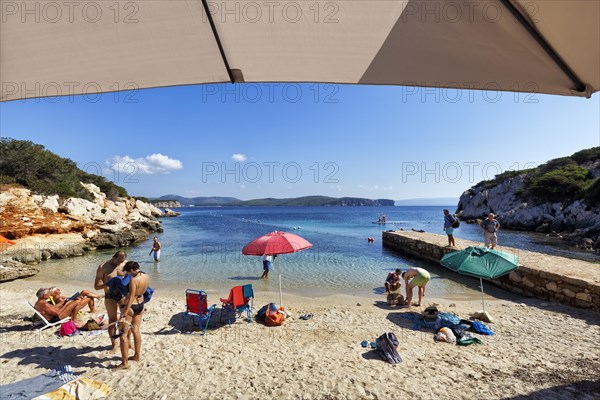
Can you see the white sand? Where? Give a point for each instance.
(544, 351)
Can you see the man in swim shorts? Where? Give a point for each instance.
(267, 259)
(106, 271)
(155, 249)
(420, 277)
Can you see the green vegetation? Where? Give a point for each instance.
(564, 184)
(559, 180)
(42, 171)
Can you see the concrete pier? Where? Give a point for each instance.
(559, 279)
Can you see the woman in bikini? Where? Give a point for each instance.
(132, 308)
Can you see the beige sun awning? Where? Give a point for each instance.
(62, 48)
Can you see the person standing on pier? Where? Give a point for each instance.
(448, 221)
(490, 226)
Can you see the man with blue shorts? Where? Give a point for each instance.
(448, 221)
(266, 265)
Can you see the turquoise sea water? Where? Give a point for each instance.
(202, 249)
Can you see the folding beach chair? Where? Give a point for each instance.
(196, 304)
(47, 324)
(240, 299)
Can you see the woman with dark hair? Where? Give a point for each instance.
(132, 308)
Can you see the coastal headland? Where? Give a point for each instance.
(45, 227)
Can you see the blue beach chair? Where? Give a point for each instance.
(240, 300)
(196, 304)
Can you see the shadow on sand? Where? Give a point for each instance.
(45, 356)
(577, 390)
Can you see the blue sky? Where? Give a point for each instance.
(287, 140)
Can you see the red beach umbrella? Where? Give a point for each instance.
(273, 243)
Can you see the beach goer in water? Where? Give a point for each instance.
(54, 313)
(58, 299)
(132, 308)
(420, 277)
(267, 259)
(156, 249)
(448, 221)
(393, 279)
(106, 271)
(490, 226)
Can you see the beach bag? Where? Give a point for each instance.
(260, 314)
(455, 223)
(387, 347)
(274, 318)
(67, 328)
(445, 335)
(118, 287)
(430, 314)
(148, 294)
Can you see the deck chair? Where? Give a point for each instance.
(47, 324)
(240, 299)
(196, 304)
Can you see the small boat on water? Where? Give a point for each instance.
(382, 220)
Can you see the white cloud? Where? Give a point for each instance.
(238, 157)
(153, 164)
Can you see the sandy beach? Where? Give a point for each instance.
(540, 351)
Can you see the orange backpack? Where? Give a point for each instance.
(274, 318)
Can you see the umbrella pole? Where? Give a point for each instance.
(482, 301)
(280, 292)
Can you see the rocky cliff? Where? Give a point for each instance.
(166, 203)
(70, 226)
(577, 221)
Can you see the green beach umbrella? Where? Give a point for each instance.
(481, 262)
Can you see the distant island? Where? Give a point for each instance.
(172, 200)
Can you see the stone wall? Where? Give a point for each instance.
(552, 278)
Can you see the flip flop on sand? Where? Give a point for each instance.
(306, 317)
(364, 343)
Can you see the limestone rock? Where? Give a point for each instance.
(577, 222)
(584, 296)
(101, 223)
(11, 270)
(170, 213)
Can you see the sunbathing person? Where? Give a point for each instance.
(58, 299)
(54, 313)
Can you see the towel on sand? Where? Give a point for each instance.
(31, 387)
(79, 389)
